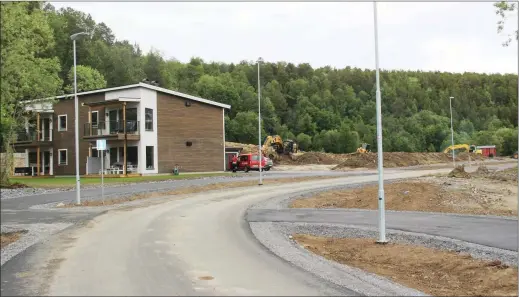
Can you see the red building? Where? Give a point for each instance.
(488, 150)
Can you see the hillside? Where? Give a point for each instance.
(323, 108)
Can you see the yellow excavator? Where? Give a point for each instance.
(273, 146)
(469, 148)
(364, 148)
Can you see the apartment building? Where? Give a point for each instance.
(148, 129)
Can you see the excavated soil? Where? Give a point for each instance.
(432, 271)
(313, 158)
(479, 194)
(400, 159)
(357, 160)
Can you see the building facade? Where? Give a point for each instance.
(147, 129)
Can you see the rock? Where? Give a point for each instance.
(61, 204)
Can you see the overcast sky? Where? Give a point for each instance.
(444, 36)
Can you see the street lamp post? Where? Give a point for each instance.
(74, 37)
(381, 205)
(260, 60)
(452, 134)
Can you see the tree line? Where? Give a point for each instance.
(324, 109)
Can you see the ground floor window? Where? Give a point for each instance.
(149, 157)
(62, 157)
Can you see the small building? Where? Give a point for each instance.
(488, 150)
(148, 130)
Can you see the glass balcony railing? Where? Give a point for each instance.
(111, 128)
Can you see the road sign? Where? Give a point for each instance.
(101, 144)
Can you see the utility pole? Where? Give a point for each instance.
(259, 125)
(381, 202)
(74, 37)
(452, 134)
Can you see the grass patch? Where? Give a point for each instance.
(70, 181)
(194, 190)
(7, 238)
(432, 271)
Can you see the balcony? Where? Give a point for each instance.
(114, 130)
(30, 138)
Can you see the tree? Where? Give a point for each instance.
(304, 141)
(87, 79)
(25, 37)
(504, 9)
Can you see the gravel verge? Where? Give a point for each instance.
(34, 234)
(275, 236)
(24, 192)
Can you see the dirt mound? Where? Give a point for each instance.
(459, 172)
(314, 158)
(246, 148)
(400, 159)
(482, 170)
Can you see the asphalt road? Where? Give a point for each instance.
(197, 246)
(489, 231)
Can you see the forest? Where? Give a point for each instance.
(324, 109)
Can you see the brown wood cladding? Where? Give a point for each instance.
(177, 124)
(66, 140)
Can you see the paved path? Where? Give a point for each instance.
(197, 246)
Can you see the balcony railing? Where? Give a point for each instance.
(32, 135)
(111, 128)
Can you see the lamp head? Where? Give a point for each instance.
(260, 60)
(79, 35)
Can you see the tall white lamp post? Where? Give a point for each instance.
(260, 60)
(75, 37)
(381, 205)
(452, 134)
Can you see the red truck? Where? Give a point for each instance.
(248, 162)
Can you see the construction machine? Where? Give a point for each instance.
(364, 148)
(469, 148)
(274, 146)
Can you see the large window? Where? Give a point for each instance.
(62, 157)
(148, 119)
(149, 157)
(62, 122)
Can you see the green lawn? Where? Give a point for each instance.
(70, 181)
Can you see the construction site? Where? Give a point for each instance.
(285, 154)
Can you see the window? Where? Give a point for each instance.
(148, 119)
(95, 118)
(62, 122)
(62, 157)
(149, 157)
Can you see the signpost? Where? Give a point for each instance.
(101, 147)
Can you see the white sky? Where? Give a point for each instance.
(446, 36)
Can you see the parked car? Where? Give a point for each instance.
(248, 162)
